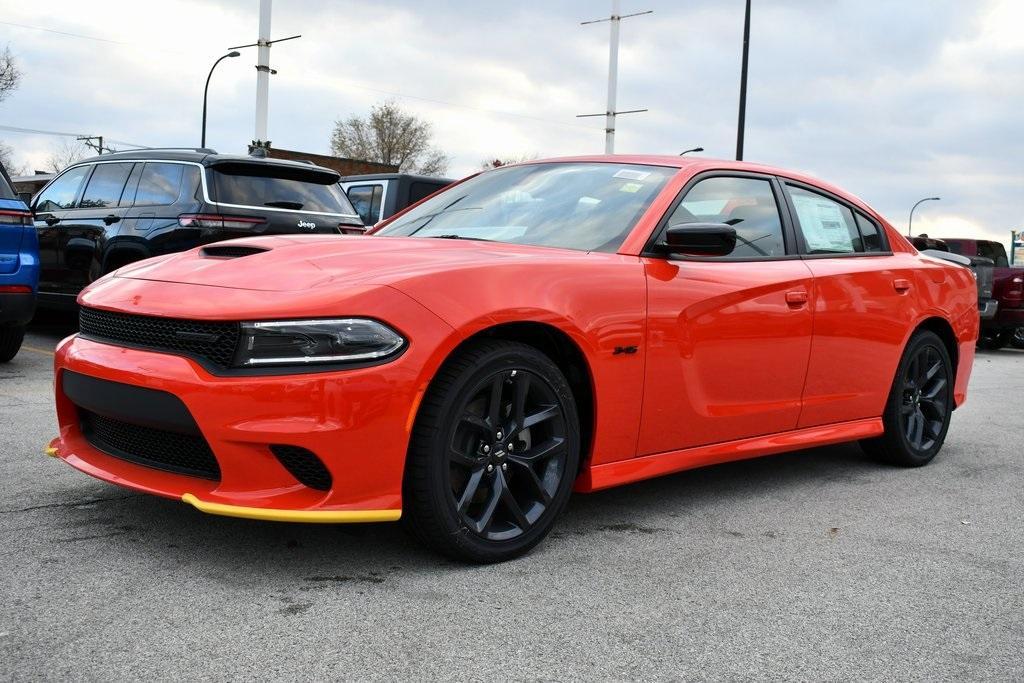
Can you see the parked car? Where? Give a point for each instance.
(983, 269)
(105, 212)
(19, 269)
(379, 196)
(1007, 290)
(570, 324)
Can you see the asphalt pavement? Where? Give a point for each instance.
(814, 565)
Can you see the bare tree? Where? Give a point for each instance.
(10, 75)
(389, 135)
(498, 162)
(65, 154)
(8, 162)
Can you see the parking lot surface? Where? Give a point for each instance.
(814, 565)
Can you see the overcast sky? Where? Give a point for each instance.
(892, 100)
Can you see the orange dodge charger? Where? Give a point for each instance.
(560, 325)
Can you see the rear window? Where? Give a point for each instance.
(280, 188)
(994, 251)
(5, 190)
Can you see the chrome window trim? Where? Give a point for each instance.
(202, 182)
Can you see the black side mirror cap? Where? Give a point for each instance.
(699, 239)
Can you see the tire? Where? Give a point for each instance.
(919, 407)
(1017, 341)
(479, 488)
(10, 342)
(993, 340)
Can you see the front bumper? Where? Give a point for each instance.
(356, 421)
(17, 309)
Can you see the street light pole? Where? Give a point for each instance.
(910, 223)
(741, 124)
(206, 90)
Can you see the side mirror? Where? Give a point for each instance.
(699, 239)
(25, 197)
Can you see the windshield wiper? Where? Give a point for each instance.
(456, 237)
(285, 205)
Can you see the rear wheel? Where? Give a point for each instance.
(993, 340)
(493, 454)
(920, 404)
(10, 341)
(1017, 341)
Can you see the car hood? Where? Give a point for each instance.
(283, 264)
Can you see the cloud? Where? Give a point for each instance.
(892, 100)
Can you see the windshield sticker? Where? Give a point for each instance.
(630, 187)
(631, 174)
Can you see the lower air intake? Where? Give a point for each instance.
(304, 466)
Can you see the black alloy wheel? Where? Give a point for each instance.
(924, 408)
(494, 453)
(1017, 341)
(920, 404)
(507, 454)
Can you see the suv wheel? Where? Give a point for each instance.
(919, 407)
(10, 342)
(493, 454)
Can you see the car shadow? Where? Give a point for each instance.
(314, 556)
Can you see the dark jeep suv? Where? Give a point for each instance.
(105, 212)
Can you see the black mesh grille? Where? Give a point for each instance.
(181, 453)
(209, 341)
(304, 466)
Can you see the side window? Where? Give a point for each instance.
(827, 226)
(105, 186)
(366, 201)
(747, 204)
(419, 189)
(61, 194)
(159, 185)
(870, 234)
(994, 251)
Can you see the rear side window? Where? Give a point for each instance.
(159, 185)
(747, 204)
(419, 189)
(5, 190)
(281, 188)
(870, 235)
(63, 191)
(105, 186)
(366, 201)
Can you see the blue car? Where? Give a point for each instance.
(19, 269)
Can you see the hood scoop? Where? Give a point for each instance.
(231, 251)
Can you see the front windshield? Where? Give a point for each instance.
(585, 206)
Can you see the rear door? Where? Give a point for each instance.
(728, 337)
(49, 209)
(268, 198)
(86, 227)
(863, 302)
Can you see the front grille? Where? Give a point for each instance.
(181, 453)
(304, 466)
(210, 341)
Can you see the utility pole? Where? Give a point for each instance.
(94, 142)
(743, 86)
(263, 74)
(613, 75)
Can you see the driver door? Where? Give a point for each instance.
(729, 338)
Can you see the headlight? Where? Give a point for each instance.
(302, 342)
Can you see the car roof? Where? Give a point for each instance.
(697, 165)
(206, 157)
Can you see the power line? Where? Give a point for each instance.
(37, 131)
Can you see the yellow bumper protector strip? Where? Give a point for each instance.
(308, 516)
(51, 451)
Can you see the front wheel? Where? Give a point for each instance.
(920, 404)
(10, 341)
(493, 454)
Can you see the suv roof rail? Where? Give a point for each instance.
(201, 150)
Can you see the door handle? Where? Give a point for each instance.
(52, 220)
(901, 285)
(111, 219)
(796, 298)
